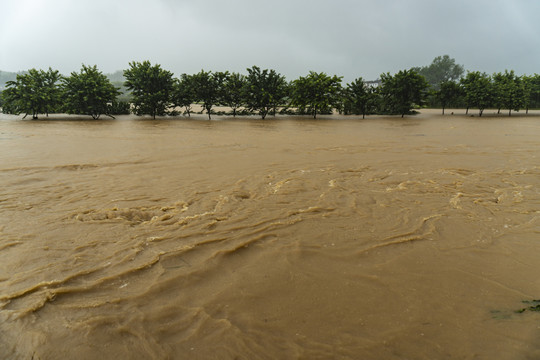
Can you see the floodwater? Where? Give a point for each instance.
(384, 238)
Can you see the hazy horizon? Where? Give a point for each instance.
(347, 38)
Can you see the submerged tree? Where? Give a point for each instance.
(498, 91)
(449, 94)
(531, 84)
(151, 87)
(183, 94)
(316, 93)
(402, 91)
(478, 90)
(89, 93)
(36, 92)
(359, 98)
(208, 88)
(513, 91)
(265, 90)
(234, 89)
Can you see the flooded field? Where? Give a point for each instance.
(384, 238)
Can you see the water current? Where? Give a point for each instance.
(287, 238)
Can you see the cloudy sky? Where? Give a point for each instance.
(349, 38)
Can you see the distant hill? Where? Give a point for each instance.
(116, 77)
(6, 76)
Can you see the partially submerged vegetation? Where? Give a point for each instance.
(151, 90)
(533, 305)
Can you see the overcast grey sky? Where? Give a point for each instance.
(349, 38)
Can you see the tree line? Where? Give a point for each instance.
(498, 91)
(155, 91)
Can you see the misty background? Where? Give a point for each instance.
(349, 38)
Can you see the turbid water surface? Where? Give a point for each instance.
(384, 238)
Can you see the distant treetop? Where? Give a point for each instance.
(442, 68)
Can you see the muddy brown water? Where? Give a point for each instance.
(384, 238)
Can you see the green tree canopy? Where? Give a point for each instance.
(449, 94)
(35, 92)
(151, 88)
(509, 91)
(234, 89)
(402, 91)
(316, 92)
(360, 98)
(89, 92)
(183, 94)
(532, 89)
(265, 90)
(442, 69)
(478, 90)
(209, 88)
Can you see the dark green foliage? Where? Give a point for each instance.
(151, 88)
(442, 69)
(148, 89)
(449, 94)
(510, 91)
(498, 92)
(533, 89)
(402, 92)
(119, 108)
(360, 98)
(234, 89)
(265, 90)
(534, 305)
(35, 92)
(183, 94)
(478, 90)
(514, 92)
(208, 88)
(316, 93)
(88, 93)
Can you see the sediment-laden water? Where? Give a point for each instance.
(385, 238)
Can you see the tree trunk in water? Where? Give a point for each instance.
(510, 112)
(443, 110)
(467, 111)
(480, 112)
